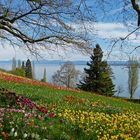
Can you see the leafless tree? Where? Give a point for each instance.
(129, 15)
(136, 7)
(67, 75)
(44, 24)
(47, 24)
(119, 90)
(133, 77)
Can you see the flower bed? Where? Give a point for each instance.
(18, 79)
(21, 116)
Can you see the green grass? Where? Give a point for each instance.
(47, 96)
(76, 114)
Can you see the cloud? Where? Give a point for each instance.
(104, 30)
(8, 52)
(108, 26)
(99, 31)
(113, 30)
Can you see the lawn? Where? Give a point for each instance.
(32, 110)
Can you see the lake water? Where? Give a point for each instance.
(120, 76)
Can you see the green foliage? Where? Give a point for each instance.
(3, 70)
(49, 96)
(18, 72)
(23, 65)
(28, 69)
(98, 75)
(63, 103)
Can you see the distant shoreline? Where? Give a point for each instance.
(79, 62)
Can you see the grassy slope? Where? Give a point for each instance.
(63, 98)
(73, 105)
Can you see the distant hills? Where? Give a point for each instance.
(79, 62)
(118, 63)
(59, 62)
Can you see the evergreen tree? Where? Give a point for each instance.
(44, 79)
(28, 69)
(23, 65)
(14, 63)
(98, 75)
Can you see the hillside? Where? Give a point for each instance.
(35, 110)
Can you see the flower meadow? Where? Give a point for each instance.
(35, 112)
(21, 118)
(104, 126)
(19, 79)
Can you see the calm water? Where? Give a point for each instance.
(120, 76)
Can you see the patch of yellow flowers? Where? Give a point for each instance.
(125, 126)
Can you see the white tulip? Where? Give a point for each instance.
(25, 135)
(15, 135)
(13, 129)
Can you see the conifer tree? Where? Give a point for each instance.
(23, 65)
(98, 75)
(28, 69)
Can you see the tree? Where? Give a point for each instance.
(19, 64)
(133, 69)
(14, 63)
(23, 65)
(17, 68)
(44, 79)
(36, 24)
(98, 75)
(66, 76)
(119, 90)
(28, 69)
(33, 70)
(18, 72)
(43, 23)
(136, 7)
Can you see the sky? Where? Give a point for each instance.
(107, 29)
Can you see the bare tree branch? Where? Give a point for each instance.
(136, 7)
(45, 22)
(51, 22)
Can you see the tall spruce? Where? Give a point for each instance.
(28, 69)
(23, 65)
(98, 76)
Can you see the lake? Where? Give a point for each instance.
(120, 75)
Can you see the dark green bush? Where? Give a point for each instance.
(18, 72)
